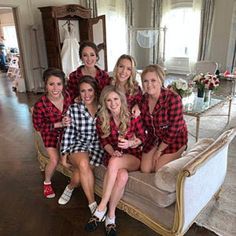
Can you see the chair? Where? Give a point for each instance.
(206, 67)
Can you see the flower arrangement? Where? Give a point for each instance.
(206, 81)
(181, 87)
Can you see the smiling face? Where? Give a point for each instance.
(124, 70)
(113, 103)
(89, 57)
(87, 93)
(54, 87)
(151, 83)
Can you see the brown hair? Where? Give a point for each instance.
(88, 44)
(54, 72)
(91, 81)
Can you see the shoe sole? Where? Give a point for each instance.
(50, 196)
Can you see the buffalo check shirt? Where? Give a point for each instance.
(45, 115)
(166, 123)
(81, 135)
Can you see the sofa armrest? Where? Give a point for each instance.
(200, 180)
(222, 141)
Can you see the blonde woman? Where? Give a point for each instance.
(162, 114)
(124, 78)
(121, 137)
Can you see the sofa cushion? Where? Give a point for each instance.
(166, 177)
(140, 185)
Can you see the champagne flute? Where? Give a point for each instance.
(121, 136)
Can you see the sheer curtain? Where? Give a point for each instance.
(195, 34)
(182, 19)
(116, 28)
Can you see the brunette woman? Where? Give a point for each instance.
(49, 118)
(80, 141)
(88, 53)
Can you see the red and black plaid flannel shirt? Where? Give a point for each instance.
(166, 123)
(134, 99)
(102, 78)
(135, 128)
(45, 114)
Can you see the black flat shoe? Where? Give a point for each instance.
(93, 223)
(110, 230)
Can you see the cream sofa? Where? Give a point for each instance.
(169, 201)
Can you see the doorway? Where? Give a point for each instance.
(10, 58)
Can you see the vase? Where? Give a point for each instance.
(207, 96)
(200, 92)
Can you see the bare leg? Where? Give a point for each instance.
(117, 191)
(51, 166)
(80, 161)
(147, 161)
(128, 162)
(166, 158)
(75, 180)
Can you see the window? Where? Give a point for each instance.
(9, 33)
(116, 30)
(179, 24)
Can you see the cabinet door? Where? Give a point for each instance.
(97, 34)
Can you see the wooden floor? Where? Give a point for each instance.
(23, 209)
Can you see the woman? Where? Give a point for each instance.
(88, 53)
(49, 119)
(121, 137)
(124, 78)
(80, 141)
(162, 114)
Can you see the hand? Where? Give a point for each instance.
(135, 111)
(124, 143)
(66, 120)
(117, 154)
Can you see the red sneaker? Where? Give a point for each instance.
(48, 191)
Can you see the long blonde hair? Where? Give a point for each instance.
(131, 87)
(105, 115)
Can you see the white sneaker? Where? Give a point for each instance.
(93, 207)
(65, 197)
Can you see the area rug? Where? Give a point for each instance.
(220, 216)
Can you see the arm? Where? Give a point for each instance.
(40, 122)
(176, 119)
(70, 132)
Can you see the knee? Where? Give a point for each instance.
(122, 178)
(83, 165)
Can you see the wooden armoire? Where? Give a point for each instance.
(92, 29)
